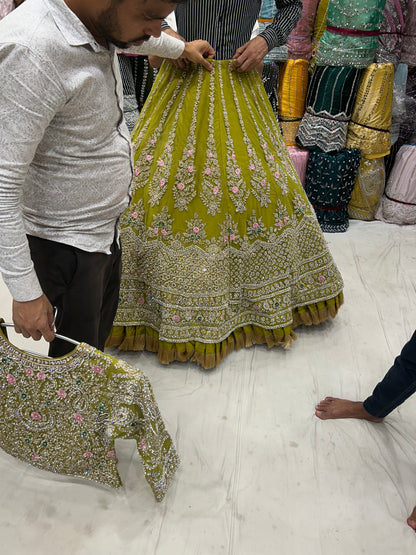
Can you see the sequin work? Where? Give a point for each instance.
(220, 237)
(63, 415)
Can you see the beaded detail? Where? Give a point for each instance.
(63, 415)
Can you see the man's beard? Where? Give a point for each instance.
(107, 26)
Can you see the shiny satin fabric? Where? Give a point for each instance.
(398, 204)
(368, 188)
(369, 127)
(292, 89)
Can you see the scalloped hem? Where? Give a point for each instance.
(210, 355)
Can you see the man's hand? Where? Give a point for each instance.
(34, 318)
(197, 51)
(250, 55)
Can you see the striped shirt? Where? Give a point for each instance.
(227, 24)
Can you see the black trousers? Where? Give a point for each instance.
(397, 385)
(82, 286)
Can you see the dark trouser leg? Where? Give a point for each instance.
(84, 288)
(397, 385)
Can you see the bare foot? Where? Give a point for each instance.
(332, 407)
(411, 521)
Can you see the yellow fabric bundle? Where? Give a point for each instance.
(293, 85)
(369, 127)
(368, 189)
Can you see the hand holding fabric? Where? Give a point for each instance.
(250, 55)
(34, 318)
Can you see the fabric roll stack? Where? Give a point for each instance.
(293, 86)
(369, 128)
(330, 99)
(351, 34)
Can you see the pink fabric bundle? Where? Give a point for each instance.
(299, 158)
(299, 42)
(398, 204)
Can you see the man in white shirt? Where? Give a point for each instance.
(65, 159)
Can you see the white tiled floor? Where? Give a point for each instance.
(260, 474)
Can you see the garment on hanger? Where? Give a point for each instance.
(299, 42)
(369, 126)
(63, 415)
(330, 179)
(351, 34)
(391, 32)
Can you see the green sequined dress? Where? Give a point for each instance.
(221, 247)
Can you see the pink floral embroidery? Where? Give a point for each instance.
(250, 151)
(78, 417)
(176, 318)
(285, 219)
(110, 453)
(280, 223)
(162, 182)
(40, 375)
(35, 457)
(61, 393)
(237, 171)
(168, 147)
(152, 141)
(299, 203)
(321, 278)
(134, 215)
(35, 416)
(141, 300)
(277, 175)
(97, 369)
(87, 454)
(161, 163)
(11, 379)
(207, 171)
(271, 157)
(141, 134)
(142, 444)
(222, 316)
(255, 225)
(190, 152)
(137, 171)
(29, 372)
(164, 232)
(225, 238)
(210, 155)
(190, 169)
(181, 186)
(235, 190)
(232, 237)
(215, 190)
(255, 307)
(264, 145)
(252, 167)
(148, 157)
(233, 156)
(263, 182)
(195, 229)
(155, 230)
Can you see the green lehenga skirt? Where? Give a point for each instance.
(221, 248)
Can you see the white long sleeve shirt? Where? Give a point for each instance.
(65, 153)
